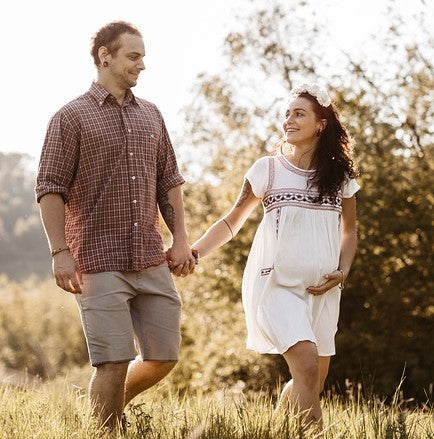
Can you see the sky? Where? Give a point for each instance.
(46, 61)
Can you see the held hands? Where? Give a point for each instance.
(180, 259)
(332, 279)
(66, 272)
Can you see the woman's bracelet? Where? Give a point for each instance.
(229, 227)
(342, 284)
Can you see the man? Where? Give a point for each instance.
(107, 162)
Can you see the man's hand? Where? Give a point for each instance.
(181, 260)
(66, 272)
(333, 279)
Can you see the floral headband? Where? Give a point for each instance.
(320, 93)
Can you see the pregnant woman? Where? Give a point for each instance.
(304, 247)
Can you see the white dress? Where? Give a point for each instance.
(297, 242)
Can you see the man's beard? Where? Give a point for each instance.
(125, 82)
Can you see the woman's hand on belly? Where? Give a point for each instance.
(332, 279)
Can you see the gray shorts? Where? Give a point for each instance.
(122, 309)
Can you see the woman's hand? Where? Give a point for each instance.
(333, 279)
(180, 259)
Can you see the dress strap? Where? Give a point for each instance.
(270, 173)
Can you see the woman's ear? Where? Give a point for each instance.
(322, 124)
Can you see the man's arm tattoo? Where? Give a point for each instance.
(167, 211)
(246, 191)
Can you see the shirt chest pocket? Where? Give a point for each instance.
(144, 145)
(147, 138)
(145, 158)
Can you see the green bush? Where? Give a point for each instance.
(40, 330)
(41, 334)
(213, 352)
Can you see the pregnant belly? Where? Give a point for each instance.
(300, 267)
(296, 276)
(307, 247)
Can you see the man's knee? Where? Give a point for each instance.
(113, 371)
(162, 366)
(152, 368)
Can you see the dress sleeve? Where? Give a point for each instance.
(258, 177)
(350, 188)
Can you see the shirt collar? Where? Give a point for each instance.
(101, 94)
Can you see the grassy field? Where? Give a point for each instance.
(59, 409)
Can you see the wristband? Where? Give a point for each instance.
(342, 284)
(58, 250)
(229, 227)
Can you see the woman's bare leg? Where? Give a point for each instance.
(323, 363)
(303, 392)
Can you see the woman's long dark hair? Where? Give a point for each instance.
(332, 157)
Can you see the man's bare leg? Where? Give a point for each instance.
(144, 374)
(107, 391)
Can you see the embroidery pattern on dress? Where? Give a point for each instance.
(266, 271)
(298, 197)
(270, 173)
(277, 221)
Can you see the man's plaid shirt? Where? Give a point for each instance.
(110, 163)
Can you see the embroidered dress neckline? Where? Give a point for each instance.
(296, 167)
(288, 165)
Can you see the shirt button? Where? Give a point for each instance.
(134, 201)
(133, 177)
(100, 103)
(131, 153)
(129, 130)
(136, 224)
(152, 136)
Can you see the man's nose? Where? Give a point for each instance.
(141, 65)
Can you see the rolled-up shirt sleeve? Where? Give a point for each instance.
(59, 158)
(168, 175)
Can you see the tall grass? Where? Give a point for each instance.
(59, 409)
(40, 336)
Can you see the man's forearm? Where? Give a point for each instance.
(172, 211)
(53, 218)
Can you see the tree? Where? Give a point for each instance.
(387, 312)
(23, 247)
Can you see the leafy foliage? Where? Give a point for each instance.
(386, 321)
(40, 331)
(385, 96)
(23, 247)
